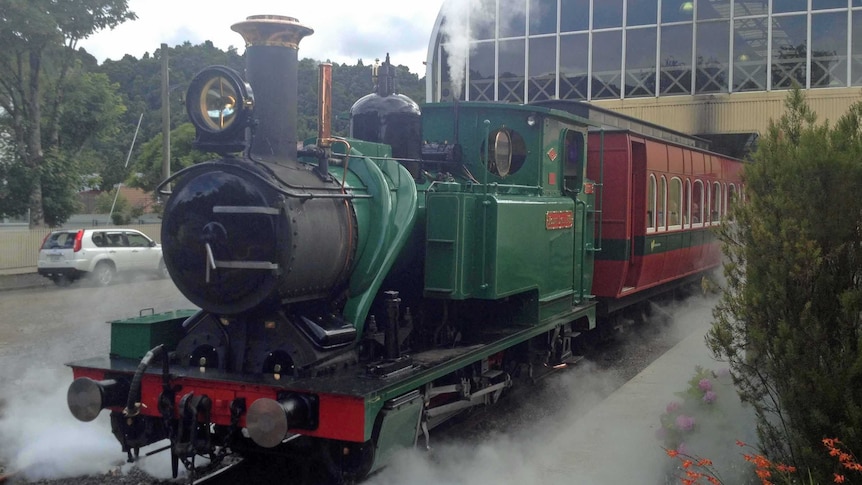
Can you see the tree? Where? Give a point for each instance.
(790, 320)
(38, 39)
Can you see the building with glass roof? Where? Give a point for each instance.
(713, 68)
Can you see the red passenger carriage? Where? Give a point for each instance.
(660, 203)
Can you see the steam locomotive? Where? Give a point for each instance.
(355, 293)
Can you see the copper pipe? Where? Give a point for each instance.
(324, 107)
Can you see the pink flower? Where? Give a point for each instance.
(685, 423)
(672, 407)
(682, 449)
(705, 385)
(710, 397)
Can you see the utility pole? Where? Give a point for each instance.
(166, 118)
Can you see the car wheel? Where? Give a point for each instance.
(62, 280)
(163, 270)
(103, 274)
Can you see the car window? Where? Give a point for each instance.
(116, 240)
(137, 240)
(60, 240)
(99, 239)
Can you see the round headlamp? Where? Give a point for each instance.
(219, 104)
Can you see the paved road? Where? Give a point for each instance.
(41, 329)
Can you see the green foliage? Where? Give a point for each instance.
(148, 166)
(789, 320)
(37, 75)
(60, 183)
(57, 99)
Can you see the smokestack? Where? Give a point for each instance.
(272, 42)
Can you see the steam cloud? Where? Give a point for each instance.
(601, 435)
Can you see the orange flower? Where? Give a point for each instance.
(740, 443)
(704, 462)
(713, 480)
(763, 473)
(687, 464)
(839, 478)
(672, 453)
(830, 442)
(853, 466)
(785, 468)
(844, 457)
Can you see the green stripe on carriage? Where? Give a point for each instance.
(621, 249)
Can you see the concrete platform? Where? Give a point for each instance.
(617, 441)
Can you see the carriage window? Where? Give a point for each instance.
(651, 204)
(731, 195)
(662, 205)
(686, 203)
(674, 203)
(716, 198)
(697, 203)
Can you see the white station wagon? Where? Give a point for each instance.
(98, 254)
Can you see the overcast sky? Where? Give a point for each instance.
(344, 31)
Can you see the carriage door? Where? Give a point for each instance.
(638, 215)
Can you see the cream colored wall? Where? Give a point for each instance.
(729, 113)
(19, 248)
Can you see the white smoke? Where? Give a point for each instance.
(600, 433)
(462, 19)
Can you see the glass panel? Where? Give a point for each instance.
(640, 62)
(823, 4)
(607, 60)
(715, 215)
(713, 9)
(749, 54)
(482, 71)
(641, 12)
(607, 14)
(651, 203)
(513, 18)
(543, 16)
(511, 82)
(574, 50)
(574, 15)
(857, 3)
(543, 68)
(856, 60)
(483, 20)
(677, 10)
(788, 51)
(675, 59)
(686, 203)
(662, 204)
(713, 57)
(781, 6)
(829, 49)
(744, 8)
(697, 202)
(674, 200)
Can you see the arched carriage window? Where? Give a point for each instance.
(651, 212)
(674, 203)
(697, 203)
(715, 216)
